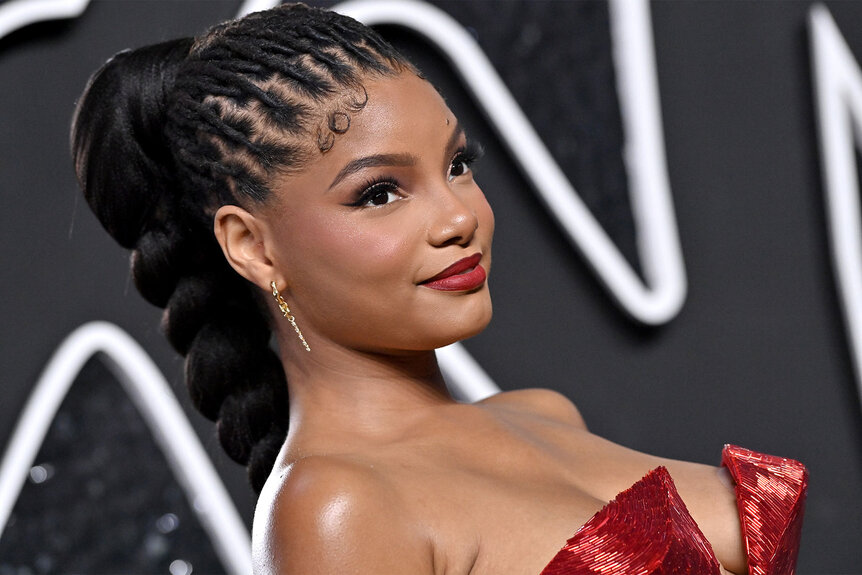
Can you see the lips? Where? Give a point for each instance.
(463, 275)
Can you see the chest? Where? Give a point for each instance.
(506, 511)
(644, 527)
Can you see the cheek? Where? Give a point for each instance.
(354, 277)
(346, 248)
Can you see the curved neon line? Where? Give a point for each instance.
(16, 14)
(652, 206)
(152, 395)
(838, 95)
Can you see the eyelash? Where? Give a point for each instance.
(467, 155)
(373, 187)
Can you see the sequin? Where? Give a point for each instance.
(770, 494)
(647, 530)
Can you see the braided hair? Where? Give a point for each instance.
(166, 134)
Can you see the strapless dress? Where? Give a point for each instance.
(647, 530)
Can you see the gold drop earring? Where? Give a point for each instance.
(282, 305)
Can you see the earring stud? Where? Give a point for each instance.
(285, 310)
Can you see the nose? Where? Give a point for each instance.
(454, 220)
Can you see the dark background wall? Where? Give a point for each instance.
(757, 357)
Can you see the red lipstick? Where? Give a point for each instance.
(463, 275)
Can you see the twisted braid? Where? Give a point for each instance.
(166, 134)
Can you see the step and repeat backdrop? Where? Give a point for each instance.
(678, 250)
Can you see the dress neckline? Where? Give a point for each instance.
(648, 530)
(642, 527)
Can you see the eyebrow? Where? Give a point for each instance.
(377, 160)
(372, 162)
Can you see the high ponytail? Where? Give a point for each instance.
(117, 136)
(164, 135)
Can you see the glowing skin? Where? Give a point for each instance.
(381, 247)
(354, 272)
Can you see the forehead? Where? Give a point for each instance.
(401, 109)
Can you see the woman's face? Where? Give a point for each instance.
(371, 237)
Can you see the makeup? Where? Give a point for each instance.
(463, 275)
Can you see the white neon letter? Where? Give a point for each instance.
(838, 96)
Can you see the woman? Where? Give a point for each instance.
(290, 173)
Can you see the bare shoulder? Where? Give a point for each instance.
(545, 402)
(327, 514)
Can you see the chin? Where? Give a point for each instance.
(468, 324)
(480, 325)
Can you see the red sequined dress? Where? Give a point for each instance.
(647, 529)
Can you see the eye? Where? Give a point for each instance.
(459, 168)
(380, 198)
(464, 159)
(377, 193)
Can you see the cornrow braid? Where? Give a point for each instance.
(166, 134)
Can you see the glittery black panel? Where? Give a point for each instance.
(101, 497)
(556, 59)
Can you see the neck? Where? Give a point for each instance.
(336, 392)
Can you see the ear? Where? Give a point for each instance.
(241, 237)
